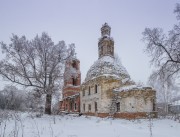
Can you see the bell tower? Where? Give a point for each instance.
(106, 43)
(71, 91)
(72, 74)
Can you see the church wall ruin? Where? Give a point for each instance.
(108, 89)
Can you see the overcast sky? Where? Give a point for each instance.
(79, 22)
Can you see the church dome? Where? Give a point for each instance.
(107, 66)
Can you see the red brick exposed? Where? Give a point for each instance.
(71, 89)
(123, 115)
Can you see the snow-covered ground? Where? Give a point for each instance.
(26, 125)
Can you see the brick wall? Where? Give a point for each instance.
(123, 115)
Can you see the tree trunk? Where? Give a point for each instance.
(48, 104)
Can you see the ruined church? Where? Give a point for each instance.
(107, 90)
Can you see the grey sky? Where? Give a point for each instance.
(79, 22)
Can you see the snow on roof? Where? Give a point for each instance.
(131, 87)
(107, 66)
(106, 37)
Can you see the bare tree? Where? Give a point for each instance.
(164, 49)
(37, 64)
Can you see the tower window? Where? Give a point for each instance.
(89, 93)
(102, 50)
(74, 65)
(109, 49)
(154, 108)
(74, 82)
(96, 88)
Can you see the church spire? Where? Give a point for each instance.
(106, 43)
(105, 30)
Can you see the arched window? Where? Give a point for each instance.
(75, 106)
(118, 106)
(154, 106)
(74, 82)
(109, 49)
(66, 107)
(96, 88)
(89, 90)
(89, 107)
(74, 64)
(84, 107)
(95, 106)
(101, 50)
(71, 106)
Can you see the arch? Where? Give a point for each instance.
(118, 107)
(74, 81)
(74, 64)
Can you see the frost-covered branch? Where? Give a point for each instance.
(163, 49)
(36, 63)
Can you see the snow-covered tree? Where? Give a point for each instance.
(12, 98)
(166, 89)
(164, 49)
(37, 64)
